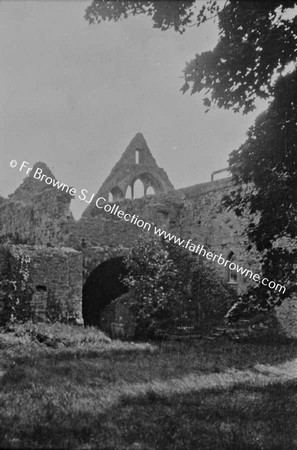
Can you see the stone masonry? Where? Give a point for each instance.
(39, 215)
(55, 278)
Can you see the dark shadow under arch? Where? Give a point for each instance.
(101, 287)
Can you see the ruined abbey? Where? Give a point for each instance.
(73, 261)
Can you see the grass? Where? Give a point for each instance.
(70, 387)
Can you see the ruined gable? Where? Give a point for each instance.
(136, 163)
(36, 213)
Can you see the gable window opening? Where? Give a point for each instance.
(137, 152)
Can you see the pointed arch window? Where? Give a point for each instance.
(138, 189)
(150, 191)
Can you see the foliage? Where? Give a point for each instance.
(156, 286)
(164, 14)
(16, 294)
(255, 57)
(211, 296)
(170, 290)
(256, 43)
(14, 238)
(242, 66)
(265, 173)
(205, 298)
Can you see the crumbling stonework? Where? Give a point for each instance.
(286, 315)
(38, 214)
(191, 213)
(54, 277)
(137, 162)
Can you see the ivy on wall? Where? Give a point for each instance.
(15, 290)
(170, 289)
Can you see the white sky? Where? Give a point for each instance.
(74, 95)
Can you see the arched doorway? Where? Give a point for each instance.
(101, 287)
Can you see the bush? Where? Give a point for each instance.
(170, 290)
(212, 296)
(153, 279)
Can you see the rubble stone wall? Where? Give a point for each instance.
(55, 274)
(37, 214)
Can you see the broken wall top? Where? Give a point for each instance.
(137, 162)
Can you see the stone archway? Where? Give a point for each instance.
(101, 287)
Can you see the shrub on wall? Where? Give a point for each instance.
(153, 279)
(212, 296)
(16, 293)
(169, 289)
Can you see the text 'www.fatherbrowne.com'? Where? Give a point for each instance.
(200, 250)
(101, 203)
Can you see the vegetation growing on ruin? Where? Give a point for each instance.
(16, 293)
(171, 291)
(255, 58)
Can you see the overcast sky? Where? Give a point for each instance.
(74, 95)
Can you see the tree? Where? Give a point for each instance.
(170, 290)
(256, 48)
(157, 286)
(257, 41)
(265, 172)
(164, 14)
(16, 294)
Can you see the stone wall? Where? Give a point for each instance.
(38, 214)
(286, 315)
(194, 213)
(55, 278)
(136, 162)
(191, 213)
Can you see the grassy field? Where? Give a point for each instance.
(69, 387)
